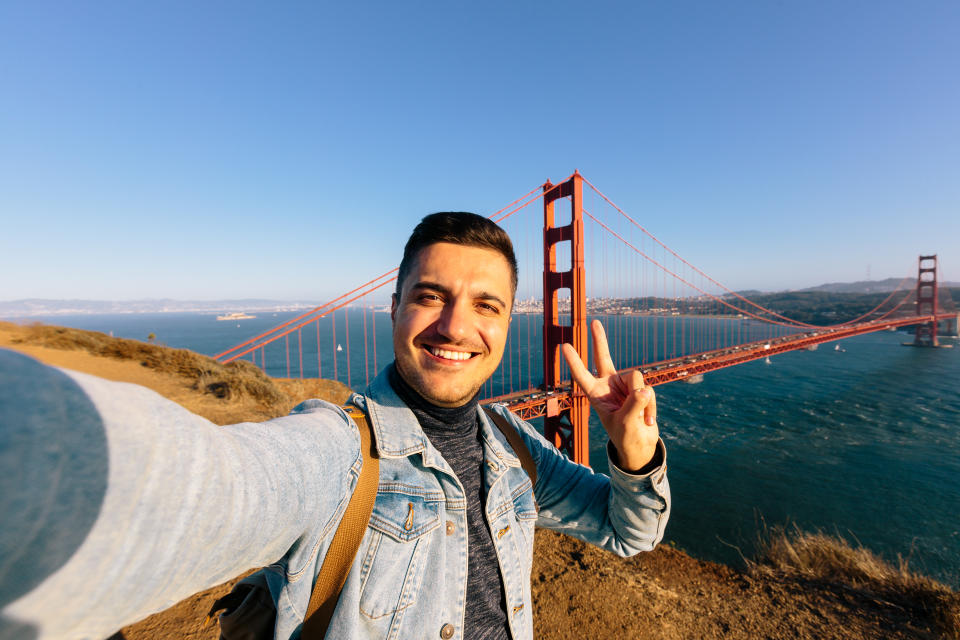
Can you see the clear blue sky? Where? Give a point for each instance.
(205, 150)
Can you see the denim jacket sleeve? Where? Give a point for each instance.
(117, 503)
(624, 513)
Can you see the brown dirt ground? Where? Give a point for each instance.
(579, 591)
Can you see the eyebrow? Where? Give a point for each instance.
(435, 286)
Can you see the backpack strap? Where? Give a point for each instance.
(519, 446)
(346, 540)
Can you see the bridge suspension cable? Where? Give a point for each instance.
(666, 270)
(787, 321)
(325, 309)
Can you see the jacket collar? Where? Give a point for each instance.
(398, 433)
(396, 429)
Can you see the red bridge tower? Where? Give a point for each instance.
(565, 426)
(926, 334)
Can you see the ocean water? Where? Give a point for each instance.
(864, 442)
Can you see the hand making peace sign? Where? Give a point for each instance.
(626, 406)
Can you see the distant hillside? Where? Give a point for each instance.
(824, 307)
(868, 286)
(45, 307)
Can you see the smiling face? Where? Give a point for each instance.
(450, 321)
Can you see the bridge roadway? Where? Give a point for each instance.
(537, 402)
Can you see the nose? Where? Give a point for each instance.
(454, 321)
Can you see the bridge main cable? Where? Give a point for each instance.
(790, 322)
(262, 339)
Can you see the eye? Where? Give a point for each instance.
(486, 307)
(429, 298)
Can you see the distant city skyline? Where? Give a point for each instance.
(207, 151)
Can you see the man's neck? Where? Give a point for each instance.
(431, 416)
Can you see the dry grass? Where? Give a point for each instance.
(833, 562)
(239, 379)
(301, 389)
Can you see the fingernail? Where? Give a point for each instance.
(650, 421)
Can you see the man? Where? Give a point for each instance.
(142, 503)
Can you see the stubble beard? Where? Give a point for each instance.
(454, 397)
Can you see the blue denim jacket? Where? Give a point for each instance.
(187, 505)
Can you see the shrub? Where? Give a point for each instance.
(831, 560)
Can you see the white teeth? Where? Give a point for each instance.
(450, 355)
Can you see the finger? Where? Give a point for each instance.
(635, 405)
(620, 383)
(637, 383)
(579, 372)
(631, 380)
(601, 351)
(643, 381)
(650, 413)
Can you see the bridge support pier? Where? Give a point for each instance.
(926, 334)
(566, 426)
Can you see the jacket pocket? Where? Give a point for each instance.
(398, 539)
(525, 514)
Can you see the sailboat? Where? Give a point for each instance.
(339, 348)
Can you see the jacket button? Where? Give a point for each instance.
(446, 631)
(451, 527)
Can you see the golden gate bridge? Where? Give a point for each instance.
(661, 313)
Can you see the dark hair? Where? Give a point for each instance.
(457, 227)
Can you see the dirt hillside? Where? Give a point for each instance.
(805, 586)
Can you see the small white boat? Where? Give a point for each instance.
(767, 360)
(339, 348)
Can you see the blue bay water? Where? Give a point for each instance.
(863, 442)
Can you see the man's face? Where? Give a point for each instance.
(450, 321)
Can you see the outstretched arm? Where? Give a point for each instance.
(117, 503)
(626, 406)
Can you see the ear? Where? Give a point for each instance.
(394, 301)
